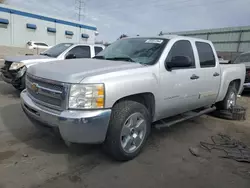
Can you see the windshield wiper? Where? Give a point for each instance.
(121, 58)
(46, 54)
(99, 57)
(144, 64)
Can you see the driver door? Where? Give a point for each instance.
(179, 89)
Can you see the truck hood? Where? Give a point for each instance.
(26, 59)
(75, 70)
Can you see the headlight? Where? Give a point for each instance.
(86, 96)
(16, 65)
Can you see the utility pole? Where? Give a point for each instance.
(80, 7)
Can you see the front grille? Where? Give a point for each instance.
(43, 83)
(46, 92)
(247, 79)
(44, 98)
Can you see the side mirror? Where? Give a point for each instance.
(179, 62)
(70, 56)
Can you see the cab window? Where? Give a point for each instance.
(80, 51)
(182, 48)
(206, 54)
(98, 49)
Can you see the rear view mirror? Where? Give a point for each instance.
(70, 56)
(179, 62)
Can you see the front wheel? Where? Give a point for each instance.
(128, 130)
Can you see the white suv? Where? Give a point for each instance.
(37, 45)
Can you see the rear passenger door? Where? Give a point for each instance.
(80, 52)
(209, 82)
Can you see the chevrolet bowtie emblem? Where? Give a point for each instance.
(34, 87)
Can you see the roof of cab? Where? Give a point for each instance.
(85, 44)
(173, 37)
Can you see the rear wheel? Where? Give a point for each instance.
(128, 130)
(230, 99)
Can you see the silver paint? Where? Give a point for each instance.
(174, 92)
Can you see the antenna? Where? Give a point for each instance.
(80, 7)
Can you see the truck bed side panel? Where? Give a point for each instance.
(228, 74)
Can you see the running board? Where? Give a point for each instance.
(183, 117)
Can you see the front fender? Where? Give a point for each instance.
(130, 85)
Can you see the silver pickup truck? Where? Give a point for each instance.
(115, 97)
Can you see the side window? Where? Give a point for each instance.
(206, 54)
(98, 49)
(80, 51)
(182, 48)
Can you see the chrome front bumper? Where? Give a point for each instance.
(76, 126)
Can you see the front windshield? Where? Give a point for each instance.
(56, 50)
(243, 58)
(142, 50)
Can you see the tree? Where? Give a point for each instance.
(2, 1)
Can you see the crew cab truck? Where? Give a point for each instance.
(15, 67)
(114, 97)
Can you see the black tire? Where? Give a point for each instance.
(120, 112)
(223, 104)
(21, 85)
(18, 87)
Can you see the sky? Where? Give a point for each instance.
(146, 17)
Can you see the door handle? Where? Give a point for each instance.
(194, 77)
(216, 74)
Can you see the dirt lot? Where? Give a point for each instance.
(10, 51)
(29, 158)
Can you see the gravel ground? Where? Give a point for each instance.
(30, 158)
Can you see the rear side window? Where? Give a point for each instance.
(182, 48)
(206, 54)
(98, 49)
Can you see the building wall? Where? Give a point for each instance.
(232, 39)
(5, 30)
(17, 34)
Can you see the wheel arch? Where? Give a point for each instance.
(147, 99)
(224, 88)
